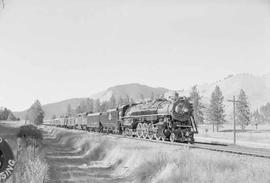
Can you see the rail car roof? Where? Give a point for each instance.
(94, 114)
(112, 110)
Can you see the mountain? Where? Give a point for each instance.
(133, 90)
(257, 89)
(58, 108)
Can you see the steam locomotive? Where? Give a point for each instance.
(160, 119)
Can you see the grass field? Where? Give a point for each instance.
(251, 136)
(29, 168)
(145, 162)
(93, 156)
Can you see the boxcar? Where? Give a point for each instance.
(61, 122)
(93, 122)
(71, 122)
(81, 121)
(110, 121)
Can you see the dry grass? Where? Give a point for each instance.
(160, 163)
(149, 169)
(30, 165)
(204, 167)
(29, 169)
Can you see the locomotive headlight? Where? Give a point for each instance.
(178, 109)
(181, 109)
(184, 109)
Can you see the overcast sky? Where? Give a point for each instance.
(60, 49)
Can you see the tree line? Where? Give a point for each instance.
(7, 115)
(95, 105)
(214, 112)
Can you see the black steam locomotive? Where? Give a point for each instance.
(160, 119)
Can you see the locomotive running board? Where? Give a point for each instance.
(144, 116)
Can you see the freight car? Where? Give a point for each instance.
(160, 119)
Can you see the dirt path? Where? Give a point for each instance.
(68, 164)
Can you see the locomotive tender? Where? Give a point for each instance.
(160, 119)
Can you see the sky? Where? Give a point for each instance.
(53, 50)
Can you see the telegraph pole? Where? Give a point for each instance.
(3, 4)
(234, 125)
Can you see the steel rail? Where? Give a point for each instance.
(225, 148)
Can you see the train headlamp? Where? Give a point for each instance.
(181, 109)
(184, 109)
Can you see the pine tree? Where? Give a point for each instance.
(265, 112)
(97, 105)
(257, 118)
(35, 114)
(11, 117)
(54, 116)
(120, 101)
(242, 110)
(197, 105)
(142, 97)
(112, 102)
(126, 100)
(78, 109)
(132, 101)
(69, 110)
(104, 106)
(90, 105)
(152, 96)
(216, 109)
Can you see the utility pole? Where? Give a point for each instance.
(3, 4)
(234, 125)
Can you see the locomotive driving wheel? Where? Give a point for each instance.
(145, 131)
(151, 131)
(155, 136)
(139, 130)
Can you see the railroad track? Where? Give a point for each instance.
(226, 148)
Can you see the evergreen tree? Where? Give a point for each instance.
(265, 112)
(11, 117)
(120, 101)
(78, 109)
(4, 113)
(216, 108)
(257, 118)
(54, 116)
(90, 105)
(35, 114)
(197, 105)
(142, 97)
(242, 110)
(69, 110)
(112, 102)
(104, 106)
(131, 101)
(152, 96)
(126, 100)
(97, 105)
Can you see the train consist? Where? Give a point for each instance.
(161, 119)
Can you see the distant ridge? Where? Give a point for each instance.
(132, 90)
(256, 87)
